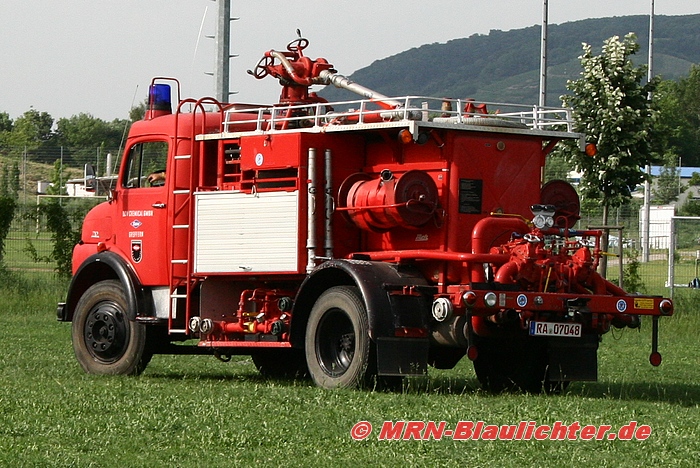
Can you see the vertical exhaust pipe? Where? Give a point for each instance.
(330, 205)
(311, 212)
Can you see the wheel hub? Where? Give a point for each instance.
(105, 332)
(336, 347)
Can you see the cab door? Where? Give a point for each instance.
(142, 233)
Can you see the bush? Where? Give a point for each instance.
(8, 205)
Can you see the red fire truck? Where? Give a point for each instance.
(357, 242)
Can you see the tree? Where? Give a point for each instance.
(611, 107)
(690, 208)
(5, 122)
(671, 121)
(82, 134)
(32, 130)
(688, 142)
(9, 180)
(678, 127)
(5, 128)
(668, 188)
(82, 130)
(9, 186)
(138, 111)
(556, 167)
(60, 220)
(57, 186)
(8, 205)
(694, 180)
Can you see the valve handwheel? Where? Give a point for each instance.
(261, 70)
(297, 45)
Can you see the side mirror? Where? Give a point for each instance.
(90, 179)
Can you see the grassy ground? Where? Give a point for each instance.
(197, 411)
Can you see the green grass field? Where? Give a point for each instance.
(196, 411)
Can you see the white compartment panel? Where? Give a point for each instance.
(237, 232)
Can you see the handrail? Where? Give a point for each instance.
(411, 108)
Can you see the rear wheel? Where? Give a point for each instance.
(105, 341)
(337, 340)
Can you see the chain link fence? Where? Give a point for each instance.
(30, 172)
(684, 264)
(37, 176)
(29, 244)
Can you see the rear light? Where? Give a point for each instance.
(591, 149)
(469, 298)
(405, 136)
(666, 307)
(490, 299)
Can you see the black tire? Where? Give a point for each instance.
(105, 341)
(337, 343)
(281, 363)
(513, 363)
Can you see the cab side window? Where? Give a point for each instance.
(144, 159)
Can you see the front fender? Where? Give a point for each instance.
(102, 266)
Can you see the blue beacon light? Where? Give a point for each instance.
(159, 102)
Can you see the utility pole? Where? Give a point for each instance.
(223, 51)
(647, 185)
(543, 56)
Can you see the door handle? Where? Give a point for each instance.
(158, 205)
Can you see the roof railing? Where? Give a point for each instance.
(414, 108)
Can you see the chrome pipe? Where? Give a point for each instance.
(328, 77)
(311, 212)
(330, 205)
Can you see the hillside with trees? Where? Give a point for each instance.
(503, 66)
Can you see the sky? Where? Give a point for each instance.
(67, 57)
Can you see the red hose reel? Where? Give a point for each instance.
(389, 201)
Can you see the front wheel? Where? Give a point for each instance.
(105, 341)
(337, 340)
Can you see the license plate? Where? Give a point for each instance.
(569, 330)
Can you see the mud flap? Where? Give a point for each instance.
(573, 359)
(402, 356)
